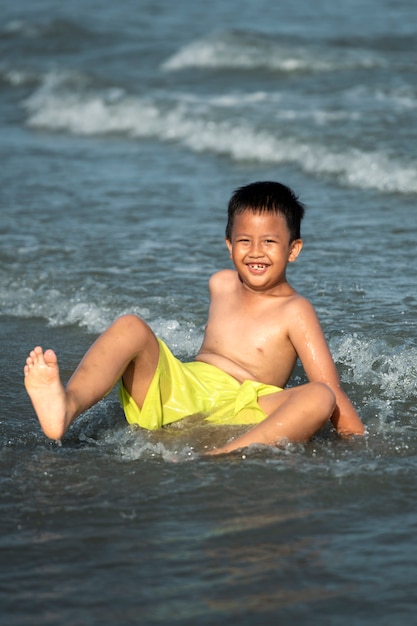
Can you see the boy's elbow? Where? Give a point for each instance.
(347, 426)
(358, 430)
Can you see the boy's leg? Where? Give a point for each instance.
(127, 348)
(293, 414)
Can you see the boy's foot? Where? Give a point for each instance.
(46, 391)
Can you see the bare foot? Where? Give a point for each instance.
(46, 391)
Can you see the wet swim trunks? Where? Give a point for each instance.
(180, 390)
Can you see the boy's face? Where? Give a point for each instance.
(260, 249)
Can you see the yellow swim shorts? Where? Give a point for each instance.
(180, 390)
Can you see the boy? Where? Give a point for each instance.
(258, 325)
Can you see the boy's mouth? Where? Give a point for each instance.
(257, 267)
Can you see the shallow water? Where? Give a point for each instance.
(123, 131)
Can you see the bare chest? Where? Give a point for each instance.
(247, 330)
(257, 340)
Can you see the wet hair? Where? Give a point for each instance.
(267, 197)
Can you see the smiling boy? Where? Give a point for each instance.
(257, 327)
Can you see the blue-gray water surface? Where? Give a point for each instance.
(124, 128)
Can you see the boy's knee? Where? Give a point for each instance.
(133, 326)
(327, 397)
(129, 320)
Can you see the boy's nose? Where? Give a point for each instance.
(256, 251)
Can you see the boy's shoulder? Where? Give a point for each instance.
(222, 277)
(299, 306)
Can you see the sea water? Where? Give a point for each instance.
(124, 128)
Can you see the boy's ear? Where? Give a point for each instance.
(295, 249)
(229, 246)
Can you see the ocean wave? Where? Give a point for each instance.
(61, 30)
(68, 103)
(249, 51)
(25, 302)
(92, 312)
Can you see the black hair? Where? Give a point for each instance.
(267, 197)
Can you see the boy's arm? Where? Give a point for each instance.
(310, 344)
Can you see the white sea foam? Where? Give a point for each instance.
(182, 339)
(134, 444)
(208, 128)
(245, 51)
(52, 305)
(226, 55)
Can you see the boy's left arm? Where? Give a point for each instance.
(310, 344)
